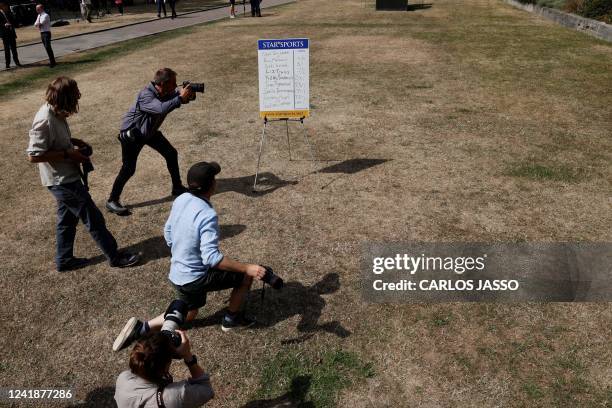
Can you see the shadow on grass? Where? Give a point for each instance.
(423, 6)
(295, 397)
(102, 397)
(156, 248)
(266, 184)
(151, 202)
(350, 166)
(293, 299)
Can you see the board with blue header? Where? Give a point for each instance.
(284, 78)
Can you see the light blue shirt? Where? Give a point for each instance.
(192, 233)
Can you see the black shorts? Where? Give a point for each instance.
(194, 293)
(232, 2)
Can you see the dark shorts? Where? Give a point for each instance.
(194, 293)
(232, 2)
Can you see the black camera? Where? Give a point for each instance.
(86, 151)
(173, 319)
(195, 87)
(272, 279)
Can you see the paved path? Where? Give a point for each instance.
(33, 53)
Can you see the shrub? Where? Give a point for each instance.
(598, 9)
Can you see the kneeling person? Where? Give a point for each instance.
(197, 265)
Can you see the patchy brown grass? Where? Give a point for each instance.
(452, 100)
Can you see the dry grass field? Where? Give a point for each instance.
(466, 121)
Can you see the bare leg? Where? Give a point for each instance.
(238, 294)
(156, 323)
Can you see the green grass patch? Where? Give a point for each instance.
(440, 320)
(308, 381)
(540, 172)
(532, 390)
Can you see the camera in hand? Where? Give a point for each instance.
(173, 319)
(86, 151)
(195, 87)
(272, 279)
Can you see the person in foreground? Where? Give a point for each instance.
(197, 266)
(148, 383)
(59, 158)
(140, 127)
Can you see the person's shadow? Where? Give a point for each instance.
(103, 397)
(156, 248)
(293, 398)
(266, 184)
(293, 299)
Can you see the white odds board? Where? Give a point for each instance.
(284, 78)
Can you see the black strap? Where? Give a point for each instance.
(160, 397)
(263, 291)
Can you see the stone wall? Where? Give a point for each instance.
(595, 28)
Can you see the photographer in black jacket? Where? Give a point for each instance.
(140, 127)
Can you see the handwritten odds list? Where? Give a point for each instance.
(283, 78)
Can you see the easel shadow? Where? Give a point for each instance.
(244, 185)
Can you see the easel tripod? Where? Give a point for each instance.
(263, 139)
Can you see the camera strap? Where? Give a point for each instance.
(84, 177)
(160, 397)
(263, 291)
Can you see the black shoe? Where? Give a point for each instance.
(18, 64)
(177, 191)
(125, 260)
(116, 208)
(51, 65)
(239, 322)
(129, 333)
(72, 264)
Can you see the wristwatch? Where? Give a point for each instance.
(192, 362)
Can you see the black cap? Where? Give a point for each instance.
(201, 175)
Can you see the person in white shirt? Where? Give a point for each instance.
(43, 23)
(86, 10)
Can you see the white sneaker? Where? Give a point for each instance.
(232, 16)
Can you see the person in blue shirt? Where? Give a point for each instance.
(197, 265)
(140, 127)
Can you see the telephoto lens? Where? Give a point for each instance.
(195, 87)
(173, 319)
(272, 279)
